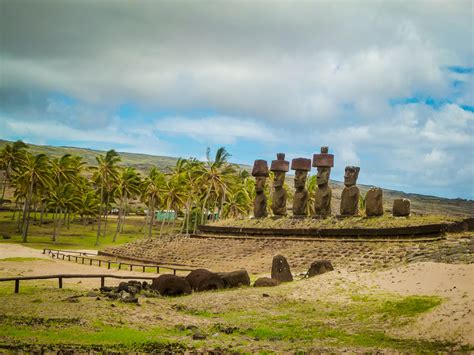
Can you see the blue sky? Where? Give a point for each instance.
(386, 85)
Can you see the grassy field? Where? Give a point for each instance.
(243, 320)
(77, 236)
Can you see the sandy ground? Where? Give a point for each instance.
(452, 320)
(53, 267)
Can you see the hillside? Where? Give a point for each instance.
(421, 204)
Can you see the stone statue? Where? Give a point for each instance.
(260, 172)
(373, 202)
(350, 194)
(401, 207)
(322, 199)
(300, 198)
(279, 167)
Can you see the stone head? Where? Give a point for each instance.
(279, 179)
(260, 183)
(350, 175)
(300, 179)
(322, 178)
(301, 166)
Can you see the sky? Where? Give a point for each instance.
(387, 85)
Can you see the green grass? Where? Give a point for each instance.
(77, 236)
(40, 316)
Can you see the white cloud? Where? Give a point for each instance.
(218, 129)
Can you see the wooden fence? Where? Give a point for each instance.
(82, 258)
(60, 278)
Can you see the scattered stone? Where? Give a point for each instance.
(281, 269)
(199, 336)
(235, 278)
(191, 327)
(171, 285)
(265, 295)
(204, 280)
(319, 267)
(266, 282)
(92, 294)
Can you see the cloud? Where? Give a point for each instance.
(297, 75)
(217, 129)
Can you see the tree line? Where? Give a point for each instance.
(68, 188)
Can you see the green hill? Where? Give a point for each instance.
(143, 162)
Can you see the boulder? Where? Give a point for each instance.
(171, 285)
(281, 269)
(266, 282)
(235, 278)
(204, 280)
(401, 207)
(319, 267)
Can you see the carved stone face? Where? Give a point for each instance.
(260, 183)
(279, 179)
(300, 179)
(350, 175)
(322, 177)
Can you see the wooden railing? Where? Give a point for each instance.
(60, 278)
(82, 258)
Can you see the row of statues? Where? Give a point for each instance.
(322, 199)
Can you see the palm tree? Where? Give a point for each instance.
(63, 198)
(151, 188)
(174, 195)
(11, 156)
(32, 175)
(105, 175)
(128, 186)
(216, 178)
(88, 202)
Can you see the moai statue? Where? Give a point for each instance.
(280, 167)
(373, 202)
(401, 207)
(350, 194)
(300, 198)
(260, 172)
(322, 199)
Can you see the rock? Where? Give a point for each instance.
(265, 295)
(266, 282)
(204, 280)
(199, 336)
(113, 295)
(191, 327)
(171, 285)
(281, 269)
(92, 294)
(401, 207)
(235, 278)
(129, 299)
(319, 267)
(106, 289)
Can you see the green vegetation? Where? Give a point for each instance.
(69, 190)
(240, 321)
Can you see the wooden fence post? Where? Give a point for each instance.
(102, 282)
(60, 282)
(17, 286)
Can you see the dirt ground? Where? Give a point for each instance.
(453, 320)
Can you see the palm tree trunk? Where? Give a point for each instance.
(152, 217)
(118, 222)
(5, 181)
(26, 214)
(204, 204)
(100, 213)
(106, 214)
